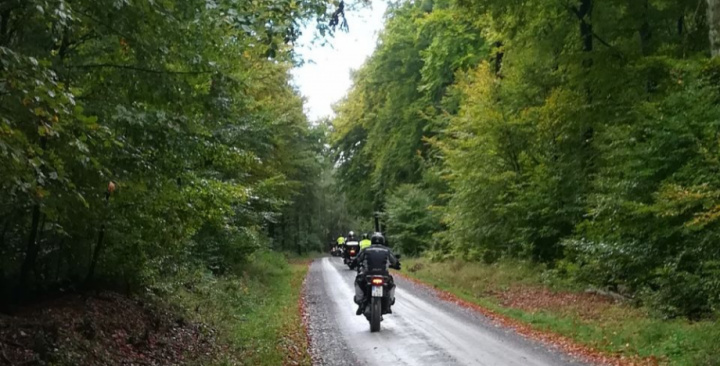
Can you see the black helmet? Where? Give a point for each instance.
(365, 236)
(377, 239)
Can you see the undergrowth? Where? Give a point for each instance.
(255, 309)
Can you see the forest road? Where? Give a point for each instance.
(423, 329)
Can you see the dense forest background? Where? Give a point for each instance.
(138, 138)
(582, 135)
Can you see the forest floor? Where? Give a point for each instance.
(103, 329)
(252, 318)
(605, 328)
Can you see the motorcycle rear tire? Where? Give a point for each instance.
(375, 314)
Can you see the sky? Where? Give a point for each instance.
(325, 77)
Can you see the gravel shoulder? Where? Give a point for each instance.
(327, 346)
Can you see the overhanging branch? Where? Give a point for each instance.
(138, 69)
(581, 17)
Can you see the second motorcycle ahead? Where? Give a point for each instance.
(352, 249)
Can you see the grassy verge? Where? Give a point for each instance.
(521, 292)
(256, 312)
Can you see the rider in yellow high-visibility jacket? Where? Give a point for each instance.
(365, 242)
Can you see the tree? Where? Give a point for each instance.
(397, 100)
(186, 105)
(410, 219)
(581, 139)
(713, 16)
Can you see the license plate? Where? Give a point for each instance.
(377, 291)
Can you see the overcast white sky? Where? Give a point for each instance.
(325, 77)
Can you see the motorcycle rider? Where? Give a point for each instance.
(333, 246)
(340, 244)
(365, 242)
(374, 260)
(350, 244)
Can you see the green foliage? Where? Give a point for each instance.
(254, 308)
(185, 105)
(585, 138)
(411, 220)
(598, 153)
(379, 130)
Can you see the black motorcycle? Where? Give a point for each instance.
(381, 298)
(352, 249)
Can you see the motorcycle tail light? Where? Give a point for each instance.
(377, 281)
(352, 252)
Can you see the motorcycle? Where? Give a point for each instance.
(336, 251)
(352, 249)
(382, 297)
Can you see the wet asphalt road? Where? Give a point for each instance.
(423, 329)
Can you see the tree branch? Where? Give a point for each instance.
(608, 45)
(581, 18)
(138, 69)
(109, 27)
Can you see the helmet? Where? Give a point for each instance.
(351, 233)
(365, 236)
(377, 239)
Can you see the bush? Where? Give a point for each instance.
(678, 293)
(411, 221)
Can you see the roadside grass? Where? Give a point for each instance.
(293, 257)
(522, 292)
(255, 312)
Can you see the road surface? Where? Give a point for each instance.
(423, 329)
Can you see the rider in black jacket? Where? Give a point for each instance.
(374, 260)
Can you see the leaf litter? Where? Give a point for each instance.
(104, 329)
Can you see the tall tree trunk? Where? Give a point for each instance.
(498, 57)
(40, 271)
(297, 234)
(681, 25)
(32, 246)
(4, 26)
(586, 31)
(308, 226)
(99, 244)
(283, 233)
(58, 259)
(96, 254)
(584, 13)
(713, 17)
(6, 224)
(645, 31)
